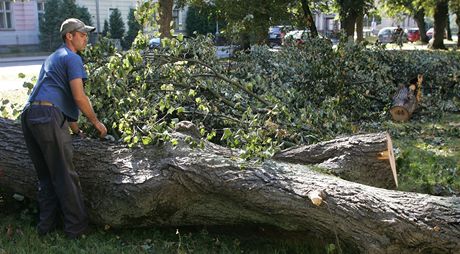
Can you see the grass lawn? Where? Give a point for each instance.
(428, 161)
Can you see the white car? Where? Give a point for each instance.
(296, 37)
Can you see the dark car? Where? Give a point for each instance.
(413, 34)
(155, 43)
(276, 34)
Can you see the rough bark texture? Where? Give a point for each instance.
(358, 158)
(182, 186)
(360, 26)
(406, 100)
(440, 23)
(310, 23)
(404, 105)
(457, 21)
(166, 8)
(420, 20)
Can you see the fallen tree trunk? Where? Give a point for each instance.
(406, 100)
(366, 159)
(167, 186)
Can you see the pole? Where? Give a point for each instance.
(98, 22)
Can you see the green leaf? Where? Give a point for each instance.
(227, 133)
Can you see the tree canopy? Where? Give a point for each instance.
(116, 25)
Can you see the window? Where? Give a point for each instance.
(40, 9)
(5, 15)
(175, 18)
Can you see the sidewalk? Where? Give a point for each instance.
(22, 59)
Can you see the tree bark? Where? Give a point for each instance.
(310, 23)
(359, 26)
(406, 100)
(171, 186)
(448, 30)
(348, 24)
(366, 159)
(457, 20)
(166, 8)
(440, 22)
(419, 18)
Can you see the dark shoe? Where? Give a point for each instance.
(42, 233)
(87, 231)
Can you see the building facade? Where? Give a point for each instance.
(19, 19)
(19, 22)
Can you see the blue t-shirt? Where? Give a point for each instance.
(54, 81)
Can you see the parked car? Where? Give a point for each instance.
(299, 37)
(155, 43)
(388, 35)
(430, 33)
(276, 34)
(296, 37)
(413, 34)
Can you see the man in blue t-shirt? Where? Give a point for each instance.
(53, 107)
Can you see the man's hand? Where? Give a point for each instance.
(101, 128)
(76, 130)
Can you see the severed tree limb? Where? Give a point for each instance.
(406, 100)
(366, 159)
(163, 185)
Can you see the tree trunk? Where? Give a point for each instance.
(406, 100)
(172, 186)
(371, 162)
(457, 20)
(309, 21)
(348, 25)
(419, 18)
(165, 8)
(359, 26)
(449, 31)
(440, 21)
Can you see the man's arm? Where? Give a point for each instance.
(83, 103)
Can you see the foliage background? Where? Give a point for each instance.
(56, 12)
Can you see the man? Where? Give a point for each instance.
(398, 36)
(52, 108)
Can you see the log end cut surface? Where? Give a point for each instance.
(399, 114)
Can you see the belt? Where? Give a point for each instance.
(42, 103)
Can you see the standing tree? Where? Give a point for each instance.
(56, 11)
(133, 29)
(455, 7)
(351, 14)
(165, 17)
(416, 9)
(116, 25)
(49, 26)
(308, 16)
(200, 19)
(441, 12)
(106, 28)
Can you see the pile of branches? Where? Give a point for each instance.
(261, 100)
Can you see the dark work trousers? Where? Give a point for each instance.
(49, 142)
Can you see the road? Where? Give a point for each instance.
(11, 67)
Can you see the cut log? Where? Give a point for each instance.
(406, 100)
(366, 159)
(179, 186)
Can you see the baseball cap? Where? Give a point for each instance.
(72, 25)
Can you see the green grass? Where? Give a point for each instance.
(18, 235)
(428, 154)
